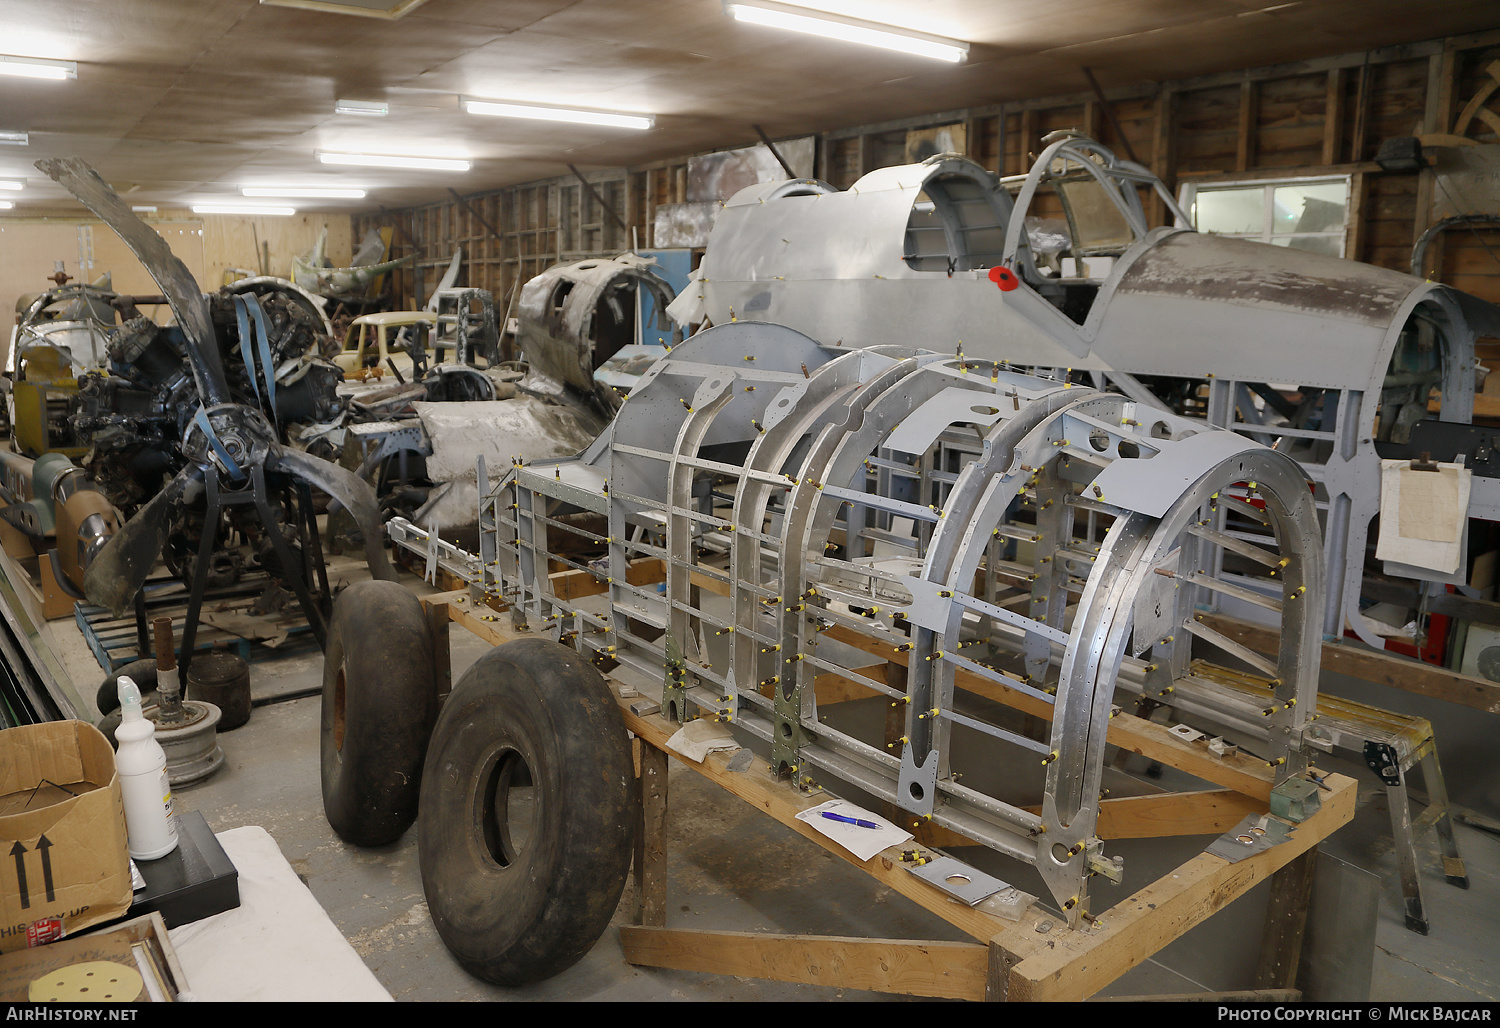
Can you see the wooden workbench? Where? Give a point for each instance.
(1009, 960)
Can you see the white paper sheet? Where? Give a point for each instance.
(1423, 514)
(864, 843)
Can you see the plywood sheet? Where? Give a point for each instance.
(232, 241)
(88, 249)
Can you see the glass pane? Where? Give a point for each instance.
(1310, 207)
(1333, 246)
(1231, 210)
(1099, 223)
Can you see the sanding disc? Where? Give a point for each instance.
(98, 981)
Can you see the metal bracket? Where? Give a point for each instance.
(1296, 799)
(1381, 758)
(1255, 834)
(1112, 868)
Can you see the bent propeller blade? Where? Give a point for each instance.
(119, 570)
(177, 284)
(348, 489)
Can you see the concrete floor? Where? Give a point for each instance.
(735, 869)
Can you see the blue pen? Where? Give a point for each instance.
(849, 820)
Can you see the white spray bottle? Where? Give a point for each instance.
(142, 767)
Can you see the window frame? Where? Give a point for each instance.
(1188, 200)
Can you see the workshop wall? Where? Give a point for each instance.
(1327, 116)
(244, 242)
(209, 244)
(30, 248)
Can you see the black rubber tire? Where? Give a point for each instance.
(141, 672)
(379, 704)
(514, 912)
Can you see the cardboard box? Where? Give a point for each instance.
(64, 862)
(141, 943)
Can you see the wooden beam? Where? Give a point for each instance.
(774, 152)
(1361, 112)
(944, 970)
(650, 869)
(974, 138)
(1286, 923)
(1245, 141)
(783, 801)
(1375, 666)
(1244, 774)
(571, 585)
(1333, 116)
(1090, 126)
(1160, 815)
(1109, 115)
(395, 220)
(1354, 235)
(1157, 815)
(477, 216)
(1255, 174)
(1081, 963)
(999, 141)
(1164, 149)
(1437, 116)
(442, 657)
(1232, 996)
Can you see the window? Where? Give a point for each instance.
(1306, 214)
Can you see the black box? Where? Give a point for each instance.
(194, 881)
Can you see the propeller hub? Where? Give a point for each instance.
(231, 437)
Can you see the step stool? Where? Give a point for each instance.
(1390, 745)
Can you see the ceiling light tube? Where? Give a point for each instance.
(6, 205)
(373, 108)
(543, 112)
(850, 30)
(144, 209)
(298, 193)
(15, 138)
(231, 208)
(12, 183)
(37, 67)
(370, 160)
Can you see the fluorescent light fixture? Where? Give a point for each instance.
(850, 30)
(298, 192)
(389, 9)
(15, 138)
(37, 67)
(6, 205)
(231, 208)
(12, 183)
(370, 160)
(373, 108)
(144, 210)
(543, 112)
